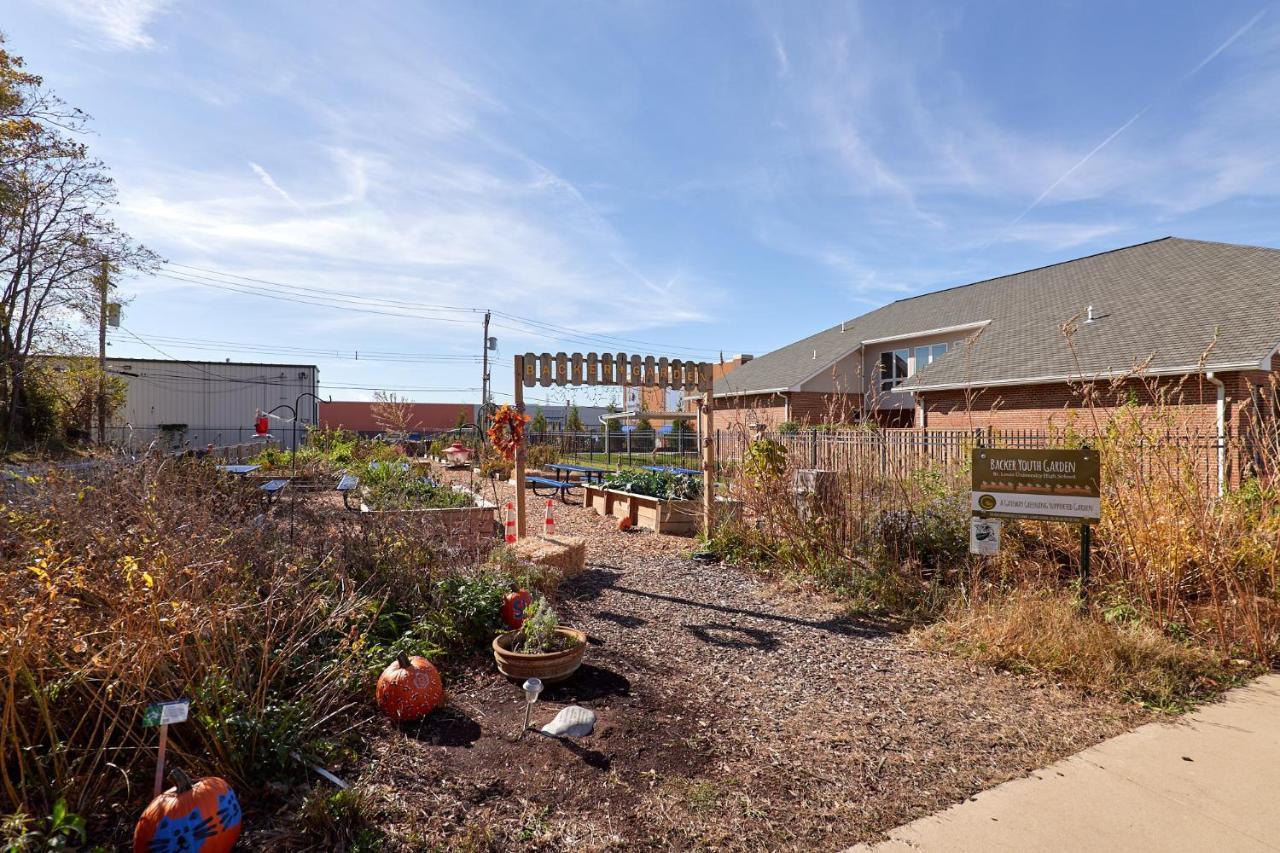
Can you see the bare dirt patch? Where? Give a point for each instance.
(732, 716)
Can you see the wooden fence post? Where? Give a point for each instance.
(519, 468)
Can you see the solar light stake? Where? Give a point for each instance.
(531, 688)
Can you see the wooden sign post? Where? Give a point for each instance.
(577, 370)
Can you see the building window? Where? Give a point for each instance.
(928, 355)
(894, 367)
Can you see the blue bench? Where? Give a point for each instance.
(692, 472)
(272, 489)
(588, 473)
(561, 487)
(238, 470)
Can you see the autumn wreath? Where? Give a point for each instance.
(507, 431)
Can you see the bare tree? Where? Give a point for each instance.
(392, 414)
(55, 237)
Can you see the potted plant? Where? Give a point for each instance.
(541, 647)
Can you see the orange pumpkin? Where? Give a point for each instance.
(203, 815)
(513, 607)
(409, 689)
(624, 523)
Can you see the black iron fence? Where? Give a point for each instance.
(633, 449)
(890, 453)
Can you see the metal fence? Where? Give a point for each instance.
(897, 453)
(626, 449)
(198, 437)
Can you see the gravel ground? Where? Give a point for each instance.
(733, 716)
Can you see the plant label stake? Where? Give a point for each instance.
(550, 526)
(162, 714)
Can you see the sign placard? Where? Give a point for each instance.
(984, 536)
(166, 713)
(1046, 485)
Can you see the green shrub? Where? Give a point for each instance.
(390, 486)
(664, 485)
(542, 455)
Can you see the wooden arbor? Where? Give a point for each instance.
(619, 369)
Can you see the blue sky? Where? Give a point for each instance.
(700, 177)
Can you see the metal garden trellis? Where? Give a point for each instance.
(633, 371)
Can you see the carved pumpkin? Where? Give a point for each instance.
(624, 523)
(409, 689)
(203, 815)
(513, 607)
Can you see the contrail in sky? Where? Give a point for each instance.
(1122, 128)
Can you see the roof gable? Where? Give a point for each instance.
(1165, 302)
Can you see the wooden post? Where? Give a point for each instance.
(519, 472)
(104, 284)
(708, 459)
(164, 741)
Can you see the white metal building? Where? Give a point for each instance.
(197, 403)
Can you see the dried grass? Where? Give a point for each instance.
(161, 579)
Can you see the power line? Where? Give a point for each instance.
(301, 294)
(283, 349)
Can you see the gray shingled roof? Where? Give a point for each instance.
(1161, 300)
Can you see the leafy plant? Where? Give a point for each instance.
(391, 485)
(61, 830)
(664, 485)
(542, 455)
(538, 634)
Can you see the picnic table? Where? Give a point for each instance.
(693, 472)
(238, 470)
(588, 472)
(271, 489)
(560, 487)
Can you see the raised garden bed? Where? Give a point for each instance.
(449, 511)
(673, 517)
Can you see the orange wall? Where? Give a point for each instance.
(426, 417)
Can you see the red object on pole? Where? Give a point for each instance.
(261, 424)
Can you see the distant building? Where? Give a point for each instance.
(557, 416)
(423, 419)
(667, 400)
(196, 403)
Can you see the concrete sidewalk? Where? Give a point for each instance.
(1207, 782)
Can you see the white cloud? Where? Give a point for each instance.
(121, 23)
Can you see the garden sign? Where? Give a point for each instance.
(1046, 485)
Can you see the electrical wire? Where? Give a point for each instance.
(251, 285)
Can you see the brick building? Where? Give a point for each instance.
(1191, 323)
(423, 418)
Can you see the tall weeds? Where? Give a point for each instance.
(1171, 554)
(161, 579)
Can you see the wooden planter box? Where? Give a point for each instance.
(465, 525)
(675, 518)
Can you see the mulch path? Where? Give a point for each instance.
(733, 715)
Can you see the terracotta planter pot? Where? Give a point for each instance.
(551, 667)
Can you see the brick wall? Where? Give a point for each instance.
(739, 412)
(1192, 403)
(812, 407)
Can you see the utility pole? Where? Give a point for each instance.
(104, 283)
(482, 420)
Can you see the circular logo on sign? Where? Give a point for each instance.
(987, 502)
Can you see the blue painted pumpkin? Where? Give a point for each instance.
(201, 816)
